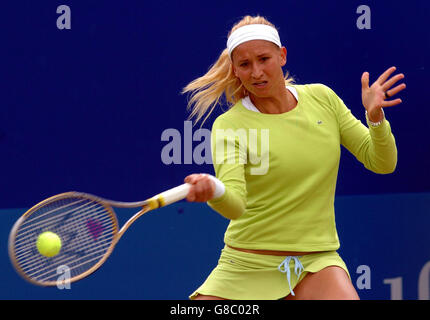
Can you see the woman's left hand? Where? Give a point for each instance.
(375, 97)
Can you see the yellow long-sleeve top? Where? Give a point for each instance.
(280, 170)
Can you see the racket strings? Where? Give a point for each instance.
(86, 228)
(31, 261)
(56, 216)
(72, 255)
(54, 226)
(51, 212)
(26, 239)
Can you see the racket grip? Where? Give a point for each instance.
(172, 195)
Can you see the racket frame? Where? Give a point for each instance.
(160, 200)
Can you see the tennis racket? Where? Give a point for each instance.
(88, 229)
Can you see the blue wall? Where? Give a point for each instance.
(84, 109)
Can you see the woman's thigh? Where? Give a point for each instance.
(330, 283)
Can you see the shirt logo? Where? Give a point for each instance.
(319, 122)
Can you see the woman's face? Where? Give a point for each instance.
(258, 64)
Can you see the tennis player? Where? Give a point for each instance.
(281, 241)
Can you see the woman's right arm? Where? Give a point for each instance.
(229, 163)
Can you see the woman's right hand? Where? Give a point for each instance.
(202, 187)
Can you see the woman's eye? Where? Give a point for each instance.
(244, 64)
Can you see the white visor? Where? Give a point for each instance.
(252, 32)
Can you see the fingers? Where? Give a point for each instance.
(396, 90)
(385, 75)
(192, 178)
(383, 85)
(389, 83)
(391, 103)
(202, 188)
(365, 80)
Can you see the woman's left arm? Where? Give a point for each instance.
(374, 146)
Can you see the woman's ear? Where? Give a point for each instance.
(233, 69)
(283, 56)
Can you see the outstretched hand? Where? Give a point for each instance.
(376, 96)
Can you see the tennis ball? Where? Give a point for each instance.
(49, 244)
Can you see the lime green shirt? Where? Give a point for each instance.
(280, 170)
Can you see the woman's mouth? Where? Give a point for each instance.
(260, 84)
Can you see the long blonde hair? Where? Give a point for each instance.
(207, 90)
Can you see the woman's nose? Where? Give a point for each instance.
(257, 71)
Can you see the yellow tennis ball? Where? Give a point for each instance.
(49, 244)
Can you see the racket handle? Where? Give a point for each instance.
(172, 195)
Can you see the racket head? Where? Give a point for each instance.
(88, 229)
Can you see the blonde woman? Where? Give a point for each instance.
(281, 241)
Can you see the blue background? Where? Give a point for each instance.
(84, 109)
